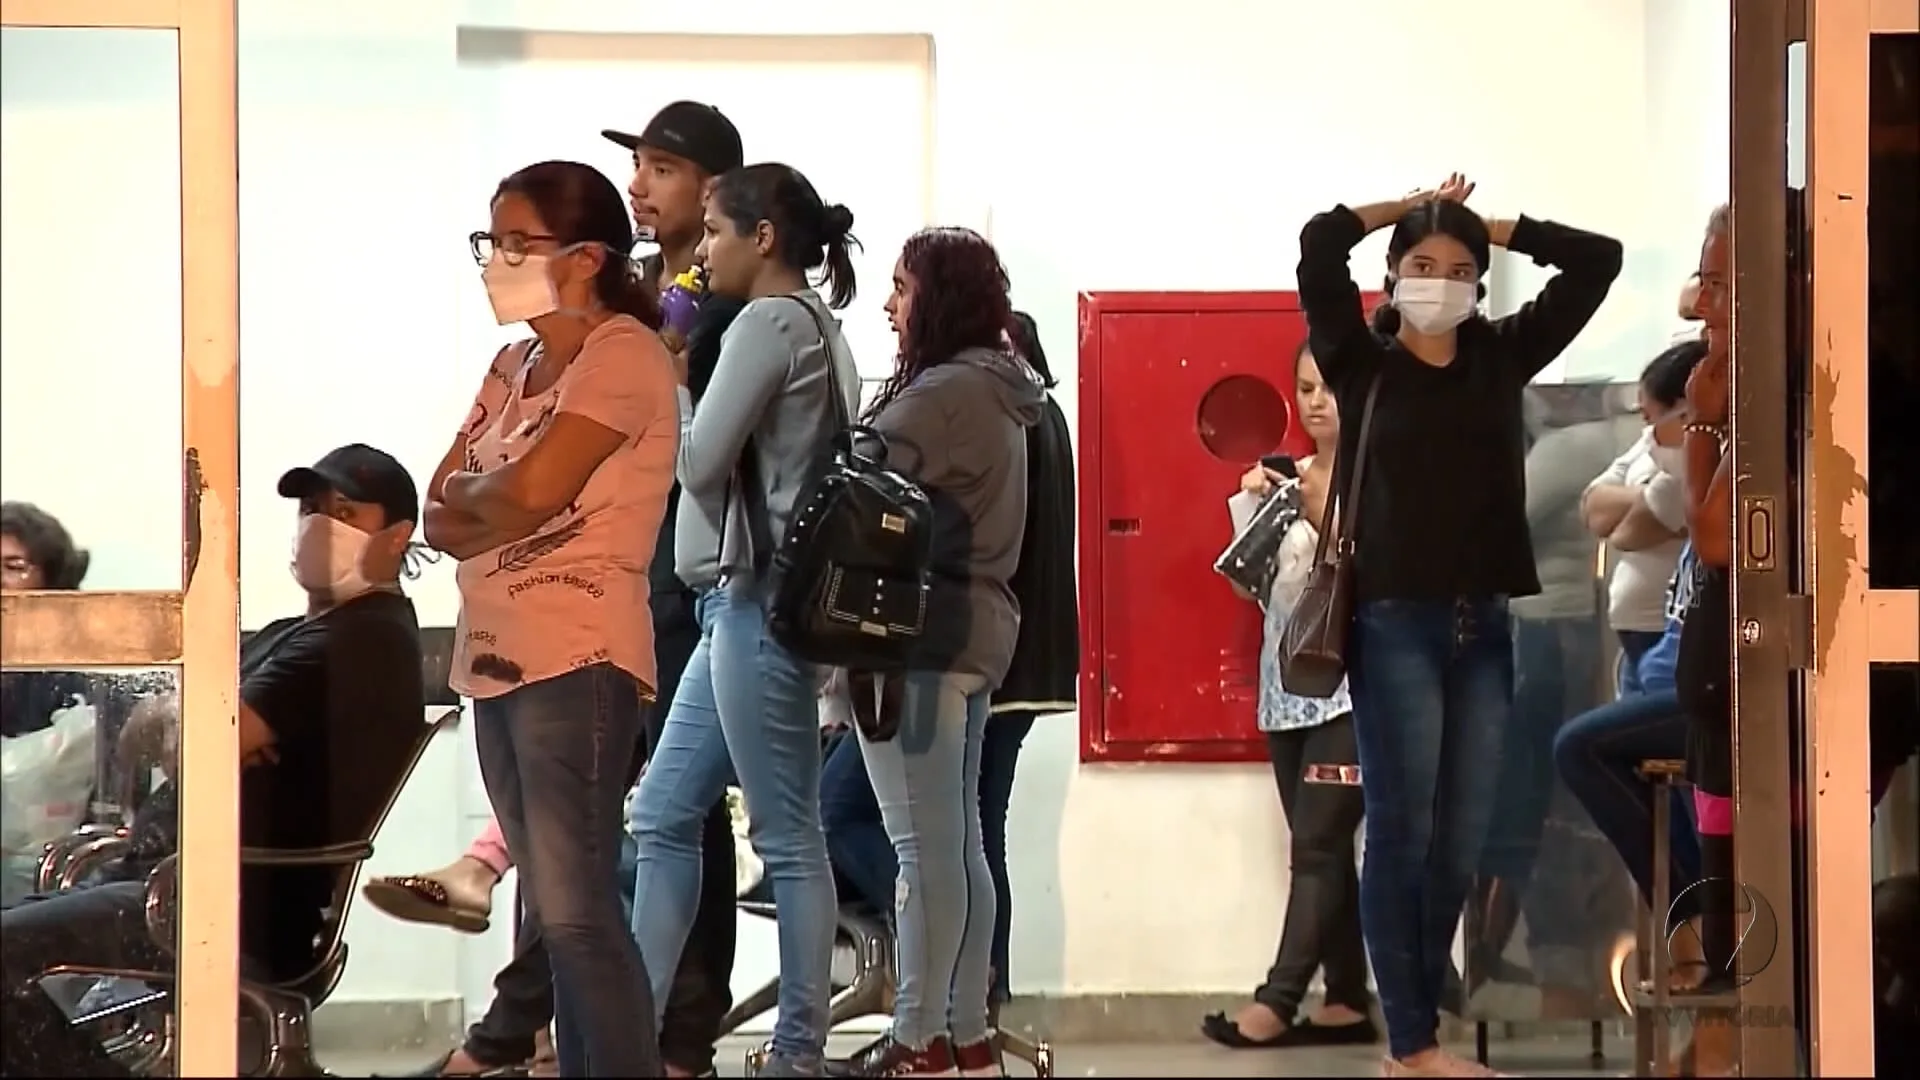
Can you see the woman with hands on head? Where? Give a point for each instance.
(1430, 656)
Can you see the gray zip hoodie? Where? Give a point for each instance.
(770, 385)
(960, 430)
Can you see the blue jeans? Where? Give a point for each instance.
(926, 780)
(554, 755)
(745, 707)
(861, 852)
(1432, 685)
(1597, 753)
(1634, 645)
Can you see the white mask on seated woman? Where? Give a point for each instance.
(326, 557)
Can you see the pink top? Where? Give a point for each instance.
(575, 592)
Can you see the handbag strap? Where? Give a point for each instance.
(1334, 523)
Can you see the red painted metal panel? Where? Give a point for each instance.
(1171, 655)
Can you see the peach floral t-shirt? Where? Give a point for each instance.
(574, 593)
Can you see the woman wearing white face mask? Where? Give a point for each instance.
(551, 497)
(1638, 506)
(1432, 394)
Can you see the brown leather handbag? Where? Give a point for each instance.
(1313, 647)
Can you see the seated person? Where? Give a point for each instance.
(1896, 975)
(331, 714)
(1599, 753)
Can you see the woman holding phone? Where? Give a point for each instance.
(1322, 925)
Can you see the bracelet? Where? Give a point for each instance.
(1718, 432)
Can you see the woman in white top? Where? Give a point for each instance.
(1638, 506)
(1322, 925)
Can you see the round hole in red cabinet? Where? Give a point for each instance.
(1242, 418)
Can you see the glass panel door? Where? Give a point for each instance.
(120, 405)
(1766, 624)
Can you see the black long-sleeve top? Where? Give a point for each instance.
(1442, 508)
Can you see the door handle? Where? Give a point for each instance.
(1123, 526)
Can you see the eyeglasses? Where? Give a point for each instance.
(511, 246)
(16, 567)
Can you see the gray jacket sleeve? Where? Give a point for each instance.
(756, 358)
(915, 427)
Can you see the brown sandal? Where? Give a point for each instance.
(411, 898)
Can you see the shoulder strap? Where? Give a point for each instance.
(759, 528)
(1338, 529)
(834, 389)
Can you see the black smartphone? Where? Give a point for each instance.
(1282, 464)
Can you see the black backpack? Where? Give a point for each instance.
(848, 585)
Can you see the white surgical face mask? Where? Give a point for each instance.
(520, 292)
(524, 292)
(326, 557)
(1434, 305)
(1671, 459)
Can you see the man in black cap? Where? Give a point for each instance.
(675, 159)
(331, 714)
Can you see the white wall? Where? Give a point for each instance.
(1142, 148)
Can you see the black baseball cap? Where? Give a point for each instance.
(361, 473)
(692, 130)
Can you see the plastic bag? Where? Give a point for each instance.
(46, 779)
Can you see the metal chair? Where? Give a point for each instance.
(867, 992)
(279, 1013)
(1652, 995)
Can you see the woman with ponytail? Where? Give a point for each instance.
(784, 384)
(1429, 393)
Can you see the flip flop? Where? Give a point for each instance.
(422, 900)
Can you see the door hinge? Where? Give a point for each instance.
(1796, 613)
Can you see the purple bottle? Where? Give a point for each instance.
(678, 306)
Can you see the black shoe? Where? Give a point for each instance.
(1362, 1032)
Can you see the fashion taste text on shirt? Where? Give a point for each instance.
(573, 593)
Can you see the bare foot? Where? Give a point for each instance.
(1337, 1016)
(459, 895)
(545, 1062)
(1434, 1061)
(1686, 963)
(461, 1063)
(1259, 1023)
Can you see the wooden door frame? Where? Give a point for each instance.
(196, 627)
(1835, 762)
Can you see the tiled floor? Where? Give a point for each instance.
(1531, 1058)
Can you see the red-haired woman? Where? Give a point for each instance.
(953, 415)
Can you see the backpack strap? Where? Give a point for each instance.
(747, 472)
